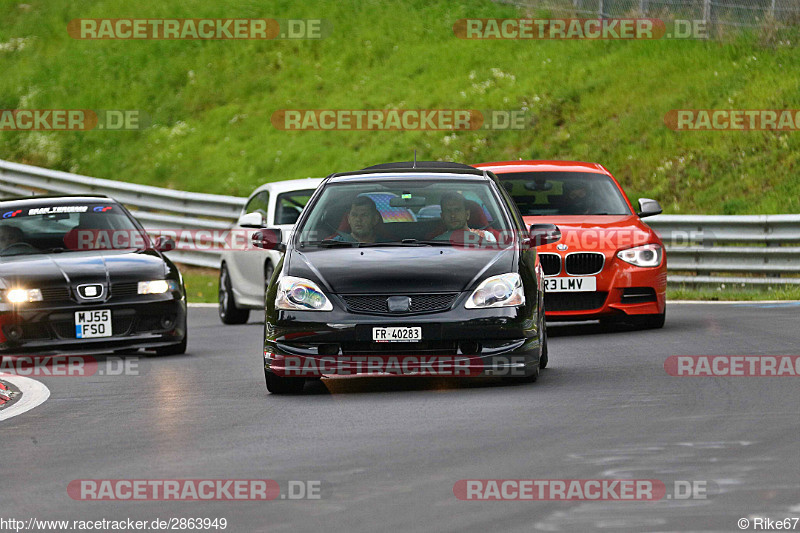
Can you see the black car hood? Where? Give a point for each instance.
(78, 267)
(398, 269)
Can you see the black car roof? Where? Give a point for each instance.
(442, 169)
(420, 164)
(62, 199)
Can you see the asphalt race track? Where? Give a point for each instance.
(387, 451)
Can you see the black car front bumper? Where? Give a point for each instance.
(477, 342)
(147, 321)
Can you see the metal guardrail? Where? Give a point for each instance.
(156, 208)
(759, 248)
(751, 249)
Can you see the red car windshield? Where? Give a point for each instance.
(564, 193)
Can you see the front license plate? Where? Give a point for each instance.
(91, 324)
(403, 334)
(571, 284)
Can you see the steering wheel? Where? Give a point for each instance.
(22, 247)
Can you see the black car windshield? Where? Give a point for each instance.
(564, 193)
(405, 212)
(59, 228)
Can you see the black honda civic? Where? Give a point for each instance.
(406, 269)
(79, 273)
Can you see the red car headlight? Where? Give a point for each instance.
(648, 255)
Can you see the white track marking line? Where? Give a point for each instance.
(34, 393)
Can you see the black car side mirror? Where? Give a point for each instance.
(269, 239)
(648, 208)
(542, 234)
(164, 244)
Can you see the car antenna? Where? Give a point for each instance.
(415, 159)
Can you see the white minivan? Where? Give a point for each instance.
(244, 274)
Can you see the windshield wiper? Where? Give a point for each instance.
(331, 243)
(404, 242)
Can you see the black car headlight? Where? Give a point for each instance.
(648, 255)
(157, 286)
(504, 290)
(19, 296)
(299, 294)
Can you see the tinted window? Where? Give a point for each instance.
(33, 229)
(564, 193)
(289, 205)
(404, 209)
(258, 204)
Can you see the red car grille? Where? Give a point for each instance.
(584, 263)
(574, 301)
(551, 264)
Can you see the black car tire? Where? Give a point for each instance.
(268, 271)
(649, 321)
(543, 359)
(524, 379)
(173, 349)
(280, 385)
(228, 312)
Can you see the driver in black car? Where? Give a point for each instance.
(455, 215)
(364, 219)
(9, 236)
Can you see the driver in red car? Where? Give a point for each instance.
(578, 198)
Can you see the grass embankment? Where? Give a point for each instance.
(211, 101)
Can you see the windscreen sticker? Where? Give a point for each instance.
(58, 209)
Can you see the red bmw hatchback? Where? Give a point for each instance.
(608, 265)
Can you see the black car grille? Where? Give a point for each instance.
(128, 288)
(583, 263)
(574, 301)
(400, 348)
(551, 264)
(33, 331)
(50, 294)
(420, 303)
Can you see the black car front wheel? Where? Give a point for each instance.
(173, 349)
(228, 312)
(649, 321)
(543, 357)
(281, 385)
